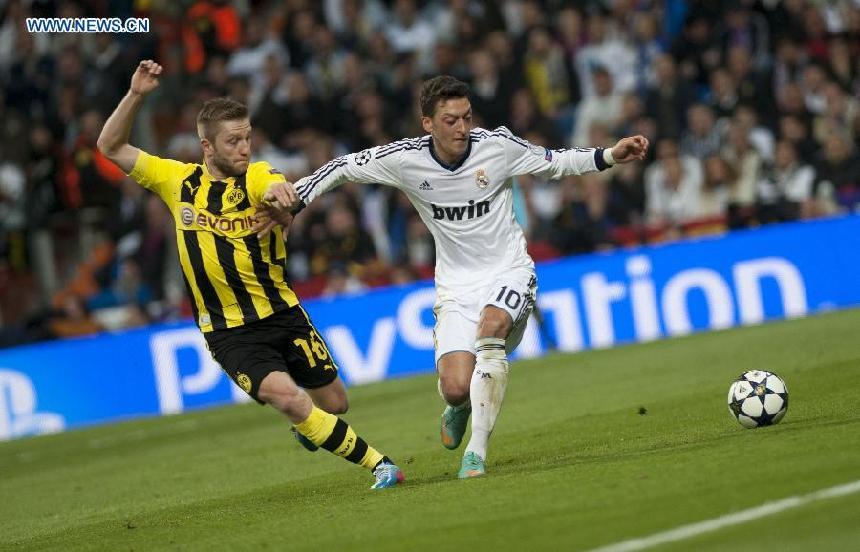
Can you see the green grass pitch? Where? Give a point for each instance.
(573, 464)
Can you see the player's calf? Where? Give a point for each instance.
(321, 428)
(336, 436)
(455, 375)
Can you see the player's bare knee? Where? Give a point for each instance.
(282, 395)
(454, 390)
(296, 405)
(331, 398)
(287, 400)
(338, 405)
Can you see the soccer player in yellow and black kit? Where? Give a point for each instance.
(251, 319)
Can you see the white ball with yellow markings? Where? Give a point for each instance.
(758, 398)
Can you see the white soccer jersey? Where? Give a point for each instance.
(468, 207)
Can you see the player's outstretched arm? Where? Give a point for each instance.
(378, 165)
(526, 158)
(113, 140)
(632, 148)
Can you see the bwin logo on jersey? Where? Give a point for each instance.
(470, 211)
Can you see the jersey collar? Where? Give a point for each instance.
(456, 165)
(208, 175)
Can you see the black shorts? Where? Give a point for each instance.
(283, 342)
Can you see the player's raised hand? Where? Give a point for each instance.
(145, 78)
(282, 195)
(632, 148)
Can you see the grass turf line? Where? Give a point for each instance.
(572, 464)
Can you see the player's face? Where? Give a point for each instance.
(450, 127)
(231, 149)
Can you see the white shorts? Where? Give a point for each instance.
(457, 318)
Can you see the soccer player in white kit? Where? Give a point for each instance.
(459, 179)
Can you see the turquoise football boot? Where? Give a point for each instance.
(454, 421)
(473, 466)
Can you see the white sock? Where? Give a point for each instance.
(487, 391)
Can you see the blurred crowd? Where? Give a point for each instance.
(750, 105)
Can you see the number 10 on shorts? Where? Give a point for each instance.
(510, 297)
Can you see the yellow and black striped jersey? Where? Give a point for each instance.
(232, 276)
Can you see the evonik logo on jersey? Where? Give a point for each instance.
(470, 211)
(227, 224)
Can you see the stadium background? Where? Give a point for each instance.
(750, 107)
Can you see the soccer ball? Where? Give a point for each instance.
(758, 398)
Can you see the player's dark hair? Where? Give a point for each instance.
(443, 87)
(216, 110)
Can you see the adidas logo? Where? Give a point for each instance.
(425, 186)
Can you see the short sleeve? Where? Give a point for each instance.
(162, 176)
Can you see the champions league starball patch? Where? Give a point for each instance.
(363, 157)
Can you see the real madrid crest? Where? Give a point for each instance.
(481, 179)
